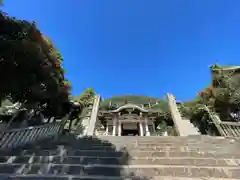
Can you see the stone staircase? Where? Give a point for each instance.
(122, 158)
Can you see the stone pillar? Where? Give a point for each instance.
(119, 128)
(146, 127)
(141, 128)
(154, 128)
(114, 125)
(107, 130)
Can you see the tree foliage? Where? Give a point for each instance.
(30, 66)
(86, 97)
(31, 69)
(222, 96)
(228, 88)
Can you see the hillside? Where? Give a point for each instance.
(156, 103)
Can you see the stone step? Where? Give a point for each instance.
(136, 153)
(108, 140)
(186, 144)
(67, 177)
(147, 153)
(179, 138)
(154, 154)
(139, 145)
(141, 150)
(232, 148)
(111, 144)
(136, 147)
(85, 160)
(124, 170)
(119, 139)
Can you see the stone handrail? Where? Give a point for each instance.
(231, 129)
(175, 113)
(18, 137)
(231, 123)
(215, 120)
(224, 128)
(94, 116)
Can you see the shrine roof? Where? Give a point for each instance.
(128, 106)
(225, 68)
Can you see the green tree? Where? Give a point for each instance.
(30, 67)
(221, 97)
(86, 97)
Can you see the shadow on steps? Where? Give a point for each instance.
(69, 158)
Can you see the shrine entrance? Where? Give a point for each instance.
(130, 133)
(129, 119)
(130, 129)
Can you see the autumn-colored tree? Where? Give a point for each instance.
(30, 65)
(222, 96)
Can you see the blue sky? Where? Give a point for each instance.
(143, 47)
